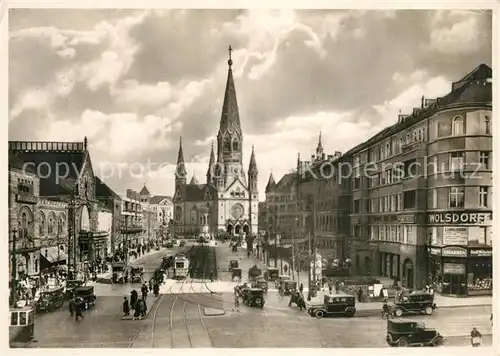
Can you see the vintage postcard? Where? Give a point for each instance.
(249, 178)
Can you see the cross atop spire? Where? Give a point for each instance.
(230, 61)
(319, 149)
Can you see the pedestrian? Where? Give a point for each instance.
(211, 276)
(137, 310)
(151, 284)
(144, 291)
(78, 309)
(156, 289)
(237, 302)
(475, 337)
(360, 294)
(126, 307)
(133, 298)
(71, 307)
(144, 308)
(330, 287)
(301, 287)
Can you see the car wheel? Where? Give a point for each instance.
(429, 310)
(438, 342)
(398, 312)
(349, 313)
(403, 342)
(258, 301)
(319, 314)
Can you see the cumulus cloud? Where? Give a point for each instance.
(133, 81)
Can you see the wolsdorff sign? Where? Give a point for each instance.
(459, 218)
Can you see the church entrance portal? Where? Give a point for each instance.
(246, 229)
(229, 229)
(237, 229)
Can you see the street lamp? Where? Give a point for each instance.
(13, 292)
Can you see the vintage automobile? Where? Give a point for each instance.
(87, 294)
(182, 243)
(254, 272)
(260, 283)
(241, 290)
(414, 303)
(234, 248)
(236, 273)
(120, 273)
(254, 297)
(271, 274)
(51, 299)
(233, 264)
(71, 285)
(403, 333)
(289, 287)
(136, 274)
(167, 262)
(169, 244)
(281, 279)
(334, 305)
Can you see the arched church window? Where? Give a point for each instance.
(227, 145)
(236, 146)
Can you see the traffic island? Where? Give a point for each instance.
(213, 312)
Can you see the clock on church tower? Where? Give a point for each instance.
(237, 211)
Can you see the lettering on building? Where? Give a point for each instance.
(459, 218)
(454, 252)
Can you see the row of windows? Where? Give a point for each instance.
(456, 197)
(388, 203)
(406, 234)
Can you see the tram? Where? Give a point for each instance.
(22, 326)
(181, 267)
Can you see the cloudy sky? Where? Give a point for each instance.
(133, 81)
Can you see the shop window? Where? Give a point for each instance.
(456, 197)
(484, 159)
(456, 161)
(483, 196)
(410, 199)
(458, 126)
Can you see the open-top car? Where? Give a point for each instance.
(281, 279)
(51, 299)
(261, 283)
(87, 294)
(233, 264)
(136, 274)
(403, 333)
(289, 287)
(71, 284)
(240, 290)
(334, 305)
(414, 303)
(254, 297)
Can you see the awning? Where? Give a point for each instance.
(53, 254)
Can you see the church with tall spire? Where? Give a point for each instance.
(228, 200)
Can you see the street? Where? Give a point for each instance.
(187, 315)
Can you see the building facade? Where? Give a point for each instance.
(227, 202)
(65, 175)
(162, 208)
(421, 193)
(113, 202)
(131, 222)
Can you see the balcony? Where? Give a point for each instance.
(412, 146)
(26, 198)
(131, 229)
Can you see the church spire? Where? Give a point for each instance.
(230, 118)
(271, 183)
(211, 164)
(180, 171)
(193, 179)
(252, 167)
(319, 149)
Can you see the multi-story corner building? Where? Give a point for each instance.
(227, 202)
(162, 207)
(421, 193)
(113, 202)
(65, 175)
(131, 224)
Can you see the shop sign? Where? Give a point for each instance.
(457, 235)
(406, 219)
(434, 251)
(480, 253)
(453, 252)
(459, 218)
(453, 268)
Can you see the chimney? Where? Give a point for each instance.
(422, 102)
(402, 117)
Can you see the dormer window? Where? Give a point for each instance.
(458, 126)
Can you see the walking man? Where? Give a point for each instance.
(78, 309)
(475, 336)
(126, 307)
(71, 307)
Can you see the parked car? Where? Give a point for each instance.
(414, 303)
(334, 305)
(403, 333)
(87, 294)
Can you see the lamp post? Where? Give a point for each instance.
(13, 287)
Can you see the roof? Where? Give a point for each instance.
(15, 162)
(230, 117)
(285, 181)
(157, 199)
(103, 190)
(271, 183)
(473, 89)
(252, 167)
(144, 191)
(49, 161)
(196, 192)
